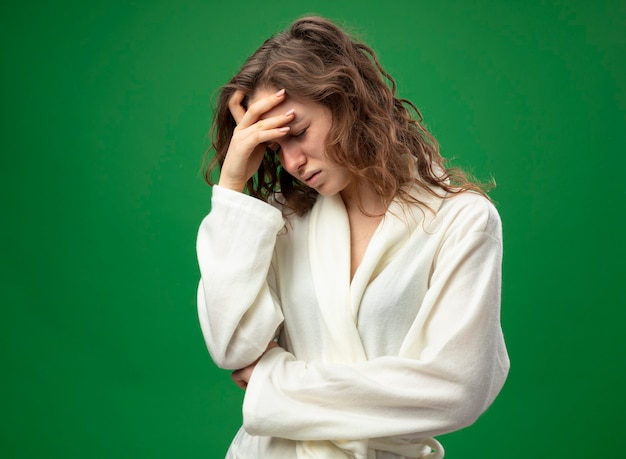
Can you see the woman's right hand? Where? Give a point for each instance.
(242, 376)
(247, 145)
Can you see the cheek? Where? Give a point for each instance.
(281, 159)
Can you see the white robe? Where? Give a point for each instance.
(409, 349)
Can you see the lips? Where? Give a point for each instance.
(311, 177)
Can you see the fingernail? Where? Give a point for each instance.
(284, 129)
(280, 93)
(290, 112)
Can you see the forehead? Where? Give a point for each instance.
(300, 106)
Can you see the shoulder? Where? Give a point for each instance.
(469, 212)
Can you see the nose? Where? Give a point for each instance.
(292, 159)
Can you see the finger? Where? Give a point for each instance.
(261, 106)
(239, 382)
(275, 121)
(235, 106)
(257, 137)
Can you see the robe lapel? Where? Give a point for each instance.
(399, 223)
(329, 253)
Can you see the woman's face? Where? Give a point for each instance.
(301, 151)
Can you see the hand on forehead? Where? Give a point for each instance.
(260, 103)
(279, 109)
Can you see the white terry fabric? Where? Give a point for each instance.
(372, 368)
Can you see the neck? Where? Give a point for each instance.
(370, 202)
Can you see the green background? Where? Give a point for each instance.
(105, 110)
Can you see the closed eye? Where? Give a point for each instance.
(301, 133)
(275, 147)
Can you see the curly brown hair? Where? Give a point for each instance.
(380, 138)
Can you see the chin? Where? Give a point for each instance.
(326, 192)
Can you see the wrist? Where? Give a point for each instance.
(231, 185)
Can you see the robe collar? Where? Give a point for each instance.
(339, 298)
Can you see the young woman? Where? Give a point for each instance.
(349, 278)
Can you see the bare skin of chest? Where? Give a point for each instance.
(362, 228)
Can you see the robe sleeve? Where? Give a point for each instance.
(452, 363)
(237, 307)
